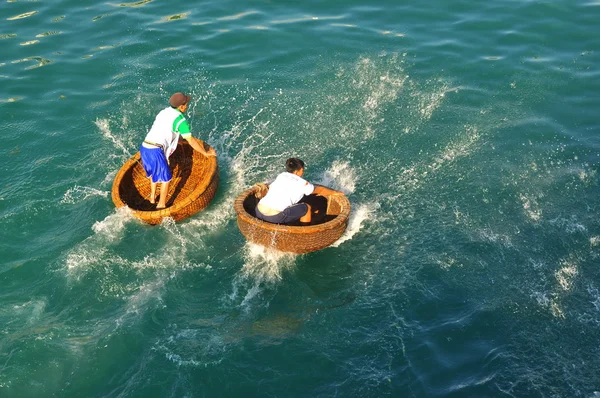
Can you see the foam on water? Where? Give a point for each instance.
(570, 225)
(566, 274)
(531, 208)
(32, 310)
(199, 347)
(148, 295)
(487, 234)
(595, 297)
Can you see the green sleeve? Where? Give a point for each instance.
(181, 126)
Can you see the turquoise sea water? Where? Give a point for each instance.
(465, 134)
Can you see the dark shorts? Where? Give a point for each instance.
(288, 215)
(155, 164)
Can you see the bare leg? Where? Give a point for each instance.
(152, 192)
(308, 216)
(162, 200)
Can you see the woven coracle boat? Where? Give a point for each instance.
(328, 224)
(194, 184)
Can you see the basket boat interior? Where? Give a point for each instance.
(323, 209)
(187, 168)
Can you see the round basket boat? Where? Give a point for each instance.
(327, 227)
(194, 184)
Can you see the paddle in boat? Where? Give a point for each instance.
(194, 184)
(329, 221)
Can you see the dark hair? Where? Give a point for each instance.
(293, 164)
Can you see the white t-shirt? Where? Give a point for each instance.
(286, 190)
(165, 130)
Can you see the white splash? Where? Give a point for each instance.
(357, 218)
(79, 194)
(340, 176)
(379, 88)
(113, 225)
(87, 254)
(110, 177)
(83, 259)
(215, 216)
(541, 298)
(245, 165)
(458, 149)
(264, 264)
(104, 127)
(263, 267)
(415, 176)
(429, 102)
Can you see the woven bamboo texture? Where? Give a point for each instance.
(194, 184)
(285, 238)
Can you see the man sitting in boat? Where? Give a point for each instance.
(161, 142)
(280, 204)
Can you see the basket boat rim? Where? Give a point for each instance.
(242, 214)
(179, 204)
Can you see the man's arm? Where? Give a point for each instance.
(324, 191)
(198, 145)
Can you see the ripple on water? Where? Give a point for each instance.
(134, 4)
(12, 99)
(38, 62)
(21, 16)
(50, 33)
(174, 17)
(30, 42)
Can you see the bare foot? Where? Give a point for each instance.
(159, 207)
(153, 200)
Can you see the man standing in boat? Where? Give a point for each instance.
(161, 141)
(280, 204)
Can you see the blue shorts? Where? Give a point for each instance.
(288, 215)
(155, 164)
